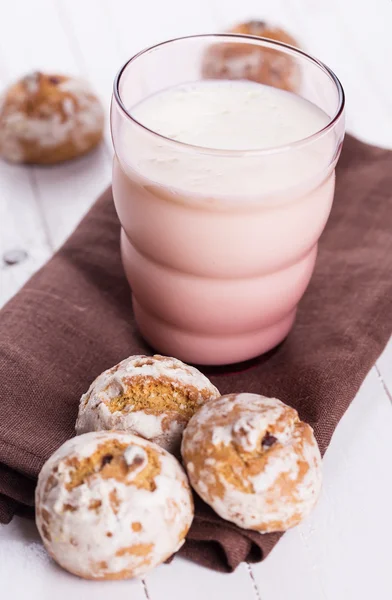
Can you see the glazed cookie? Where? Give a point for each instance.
(110, 505)
(255, 63)
(151, 396)
(253, 461)
(46, 119)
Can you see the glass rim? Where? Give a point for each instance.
(258, 41)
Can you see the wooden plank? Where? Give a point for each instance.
(32, 38)
(94, 46)
(21, 222)
(232, 12)
(343, 547)
(64, 192)
(367, 28)
(184, 580)
(22, 228)
(118, 31)
(26, 571)
(384, 370)
(154, 22)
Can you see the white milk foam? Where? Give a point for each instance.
(227, 116)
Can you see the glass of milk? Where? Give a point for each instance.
(223, 187)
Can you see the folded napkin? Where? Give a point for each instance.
(74, 319)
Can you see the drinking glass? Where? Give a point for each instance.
(217, 274)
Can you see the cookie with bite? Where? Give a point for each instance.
(150, 396)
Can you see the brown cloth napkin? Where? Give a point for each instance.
(73, 319)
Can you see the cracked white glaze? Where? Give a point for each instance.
(164, 428)
(257, 414)
(276, 480)
(122, 538)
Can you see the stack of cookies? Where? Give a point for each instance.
(115, 501)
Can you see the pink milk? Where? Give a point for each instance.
(221, 216)
(218, 255)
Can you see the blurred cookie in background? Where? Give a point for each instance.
(263, 29)
(255, 63)
(46, 119)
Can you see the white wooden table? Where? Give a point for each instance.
(343, 551)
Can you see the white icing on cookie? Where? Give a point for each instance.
(31, 82)
(137, 452)
(83, 114)
(106, 527)
(278, 479)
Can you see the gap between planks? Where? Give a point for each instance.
(79, 57)
(254, 583)
(31, 173)
(145, 589)
(382, 382)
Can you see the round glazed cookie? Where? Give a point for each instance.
(255, 63)
(45, 119)
(253, 461)
(110, 505)
(151, 396)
